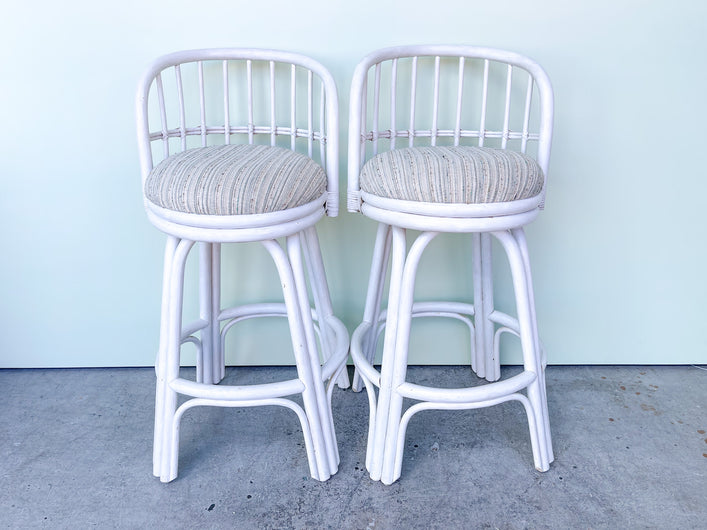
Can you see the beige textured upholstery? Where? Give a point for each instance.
(459, 175)
(235, 180)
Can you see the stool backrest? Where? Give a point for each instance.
(199, 98)
(410, 96)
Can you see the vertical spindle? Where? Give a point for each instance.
(202, 103)
(435, 103)
(180, 99)
(273, 126)
(460, 92)
(163, 115)
(507, 110)
(293, 103)
(323, 133)
(310, 114)
(413, 95)
(226, 110)
(484, 101)
(362, 118)
(526, 116)
(376, 100)
(393, 89)
(249, 81)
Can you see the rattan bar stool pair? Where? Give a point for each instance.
(246, 150)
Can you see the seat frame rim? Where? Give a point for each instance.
(257, 220)
(438, 223)
(236, 228)
(454, 210)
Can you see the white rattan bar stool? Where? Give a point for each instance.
(415, 113)
(240, 145)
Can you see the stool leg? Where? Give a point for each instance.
(302, 351)
(161, 361)
(376, 282)
(532, 362)
(325, 416)
(391, 472)
(170, 369)
(219, 363)
(519, 235)
(484, 362)
(374, 461)
(322, 300)
(205, 372)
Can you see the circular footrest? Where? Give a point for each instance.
(442, 309)
(339, 352)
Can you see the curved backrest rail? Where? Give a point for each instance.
(257, 130)
(504, 132)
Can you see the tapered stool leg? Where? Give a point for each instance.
(206, 364)
(484, 362)
(303, 355)
(400, 353)
(327, 424)
(385, 394)
(322, 300)
(161, 360)
(372, 310)
(219, 363)
(528, 337)
(170, 450)
(519, 235)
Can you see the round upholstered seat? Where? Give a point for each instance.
(235, 180)
(453, 175)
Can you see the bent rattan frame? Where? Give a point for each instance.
(314, 330)
(374, 101)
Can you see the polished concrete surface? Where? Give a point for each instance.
(630, 452)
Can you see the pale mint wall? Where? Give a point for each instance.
(618, 255)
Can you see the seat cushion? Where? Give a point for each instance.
(454, 175)
(235, 180)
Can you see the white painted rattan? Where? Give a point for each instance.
(446, 95)
(199, 98)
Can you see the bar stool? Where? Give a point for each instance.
(243, 149)
(415, 111)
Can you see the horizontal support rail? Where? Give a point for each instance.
(199, 131)
(403, 133)
(237, 392)
(475, 394)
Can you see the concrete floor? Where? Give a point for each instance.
(630, 447)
